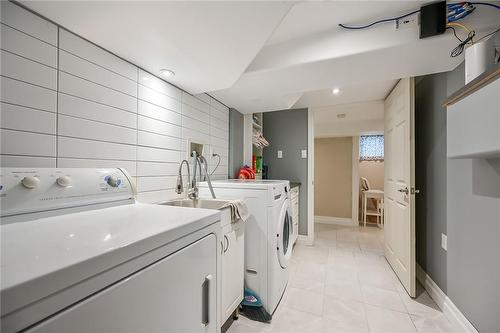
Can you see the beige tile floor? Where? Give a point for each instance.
(344, 284)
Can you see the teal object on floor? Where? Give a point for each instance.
(252, 308)
(251, 299)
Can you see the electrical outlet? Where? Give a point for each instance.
(280, 153)
(303, 153)
(406, 22)
(444, 242)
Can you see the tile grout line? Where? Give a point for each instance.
(137, 126)
(57, 101)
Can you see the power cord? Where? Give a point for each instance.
(485, 4)
(487, 35)
(214, 155)
(459, 49)
(377, 22)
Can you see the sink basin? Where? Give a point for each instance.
(198, 203)
(226, 216)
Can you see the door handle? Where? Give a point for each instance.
(405, 190)
(227, 241)
(412, 191)
(205, 300)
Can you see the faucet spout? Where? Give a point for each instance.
(180, 187)
(200, 163)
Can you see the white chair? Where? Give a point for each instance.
(378, 195)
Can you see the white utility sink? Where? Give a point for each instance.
(196, 203)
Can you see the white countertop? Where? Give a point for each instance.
(66, 249)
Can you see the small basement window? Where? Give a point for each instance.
(371, 148)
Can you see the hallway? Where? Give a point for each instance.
(344, 284)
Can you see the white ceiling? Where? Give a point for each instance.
(348, 94)
(309, 18)
(266, 55)
(207, 44)
(360, 118)
(309, 54)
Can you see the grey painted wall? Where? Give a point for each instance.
(469, 271)
(287, 131)
(235, 142)
(473, 211)
(430, 174)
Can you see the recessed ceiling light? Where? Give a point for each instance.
(341, 115)
(335, 91)
(167, 72)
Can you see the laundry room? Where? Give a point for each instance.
(249, 166)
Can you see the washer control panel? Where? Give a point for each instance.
(24, 190)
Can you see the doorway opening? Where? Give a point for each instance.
(371, 179)
(393, 206)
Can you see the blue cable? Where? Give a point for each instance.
(460, 14)
(456, 11)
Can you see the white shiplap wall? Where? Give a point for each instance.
(68, 103)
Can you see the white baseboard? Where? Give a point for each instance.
(444, 302)
(334, 220)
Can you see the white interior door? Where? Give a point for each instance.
(399, 195)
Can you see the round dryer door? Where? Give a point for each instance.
(284, 235)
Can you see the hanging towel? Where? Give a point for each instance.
(239, 210)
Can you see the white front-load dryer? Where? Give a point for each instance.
(268, 233)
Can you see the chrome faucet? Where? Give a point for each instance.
(180, 186)
(199, 162)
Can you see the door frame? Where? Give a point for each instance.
(310, 178)
(355, 180)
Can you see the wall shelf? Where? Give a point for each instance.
(476, 84)
(473, 122)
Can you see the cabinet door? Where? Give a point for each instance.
(232, 268)
(176, 294)
(296, 211)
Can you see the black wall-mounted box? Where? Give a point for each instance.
(433, 19)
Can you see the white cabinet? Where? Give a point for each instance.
(472, 129)
(175, 294)
(294, 202)
(233, 247)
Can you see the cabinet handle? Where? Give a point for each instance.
(227, 241)
(205, 300)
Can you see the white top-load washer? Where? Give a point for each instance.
(78, 254)
(268, 233)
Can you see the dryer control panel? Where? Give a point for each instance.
(26, 190)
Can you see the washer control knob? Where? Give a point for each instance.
(30, 182)
(112, 181)
(64, 181)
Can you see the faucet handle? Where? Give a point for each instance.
(193, 193)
